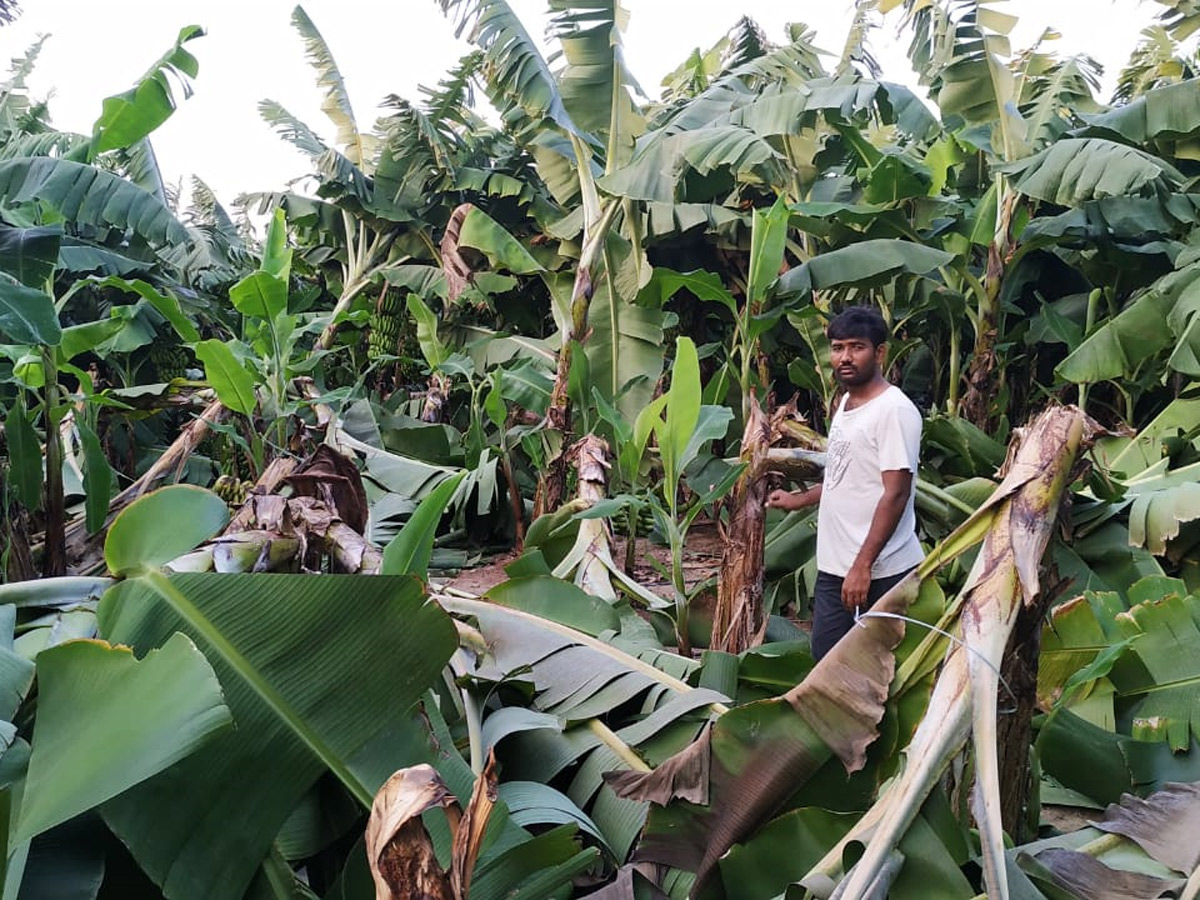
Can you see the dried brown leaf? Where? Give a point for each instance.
(333, 479)
(622, 887)
(1086, 876)
(468, 837)
(843, 698)
(1166, 824)
(590, 456)
(458, 271)
(683, 776)
(399, 850)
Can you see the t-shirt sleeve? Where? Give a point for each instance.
(899, 437)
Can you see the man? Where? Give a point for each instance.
(866, 526)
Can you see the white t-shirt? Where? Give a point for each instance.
(883, 434)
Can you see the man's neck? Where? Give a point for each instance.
(862, 393)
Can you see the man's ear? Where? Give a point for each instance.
(881, 355)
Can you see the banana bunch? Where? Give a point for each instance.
(385, 325)
(643, 525)
(170, 361)
(232, 490)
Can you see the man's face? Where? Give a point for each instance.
(855, 360)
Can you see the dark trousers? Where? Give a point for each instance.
(831, 620)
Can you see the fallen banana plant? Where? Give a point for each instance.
(964, 701)
(590, 665)
(762, 752)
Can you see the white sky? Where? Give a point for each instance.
(251, 52)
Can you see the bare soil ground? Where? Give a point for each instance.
(701, 560)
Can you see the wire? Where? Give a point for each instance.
(872, 614)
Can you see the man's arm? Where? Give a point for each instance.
(797, 499)
(897, 483)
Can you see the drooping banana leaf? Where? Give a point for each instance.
(1141, 848)
(517, 73)
(865, 263)
(595, 82)
(1159, 118)
(336, 102)
(91, 196)
(587, 660)
(129, 117)
(1073, 171)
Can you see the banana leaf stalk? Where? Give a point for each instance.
(964, 701)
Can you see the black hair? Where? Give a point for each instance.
(858, 322)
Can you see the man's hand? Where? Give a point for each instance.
(791, 500)
(855, 586)
(781, 499)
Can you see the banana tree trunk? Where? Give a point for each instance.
(983, 374)
(590, 456)
(1014, 731)
(18, 560)
(552, 480)
(739, 620)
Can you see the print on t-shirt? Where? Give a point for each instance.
(837, 457)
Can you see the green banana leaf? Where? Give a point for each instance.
(30, 254)
(24, 474)
(595, 82)
(107, 721)
(1157, 118)
(1073, 171)
(864, 263)
(625, 350)
(130, 116)
(90, 196)
(27, 314)
(311, 680)
(481, 231)
(229, 378)
(137, 540)
(586, 661)
(410, 550)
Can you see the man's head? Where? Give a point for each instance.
(857, 345)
